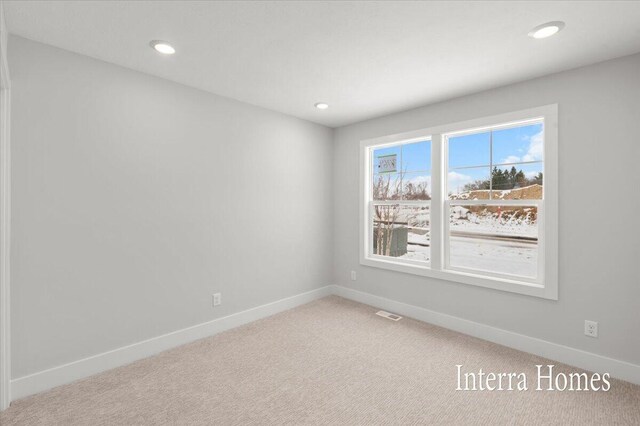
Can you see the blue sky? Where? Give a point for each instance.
(469, 155)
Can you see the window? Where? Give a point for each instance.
(472, 202)
(400, 193)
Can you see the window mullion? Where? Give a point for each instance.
(437, 197)
(491, 165)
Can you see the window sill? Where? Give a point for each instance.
(496, 283)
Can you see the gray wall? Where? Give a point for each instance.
(599, 154)
(135, 199)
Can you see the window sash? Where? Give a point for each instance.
(488, 129)
(532, 202)
(371, 221)
(446, 248)
(478, 166)
(399, 202)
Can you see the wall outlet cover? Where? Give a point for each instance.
(591, 328)
(217, 299)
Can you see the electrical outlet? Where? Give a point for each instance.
(217, 299)
(353, 275)
(590, 328)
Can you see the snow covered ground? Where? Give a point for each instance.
(501, 242)
(496, 256)
(522, 223)
(419, 250)
(504, 257)
(497, 241)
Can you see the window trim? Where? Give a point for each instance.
(546, 286)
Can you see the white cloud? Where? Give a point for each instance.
(534, 152)
(420, 179)
(456, 179)
(511, 159)
(535, 148)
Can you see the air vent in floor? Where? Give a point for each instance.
(388, 315)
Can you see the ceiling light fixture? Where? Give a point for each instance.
(162, 47)
(322, 105)
(546, 30)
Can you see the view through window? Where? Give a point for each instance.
(465, 202)
(491, 175)
(401, 192)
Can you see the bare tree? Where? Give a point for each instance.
(386, 215)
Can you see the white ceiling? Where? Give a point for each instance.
(365, 59)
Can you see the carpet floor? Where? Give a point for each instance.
(328, 362)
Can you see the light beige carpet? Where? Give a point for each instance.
(329, 362)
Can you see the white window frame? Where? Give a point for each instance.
(545, 285)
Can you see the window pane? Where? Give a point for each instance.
(401, 232)
(468, 183)
(499, 239)
(402, 172)
(416, 157)
(469, 150)
(517, 182)
(416, 186)
(386, 160)
(518, 144)
(386, 186)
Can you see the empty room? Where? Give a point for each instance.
(319, 212)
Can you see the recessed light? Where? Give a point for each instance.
(322, 105)
(162, 47)
(546, 30)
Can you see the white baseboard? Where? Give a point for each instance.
(47, 379)
(564, 354)
(67, 373)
